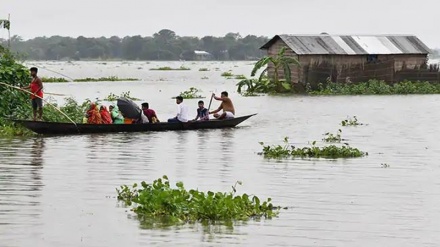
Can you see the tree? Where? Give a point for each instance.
(279, 61)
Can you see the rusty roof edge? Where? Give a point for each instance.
(270, 42)
(285, 38)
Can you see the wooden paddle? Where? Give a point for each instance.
(209, 107)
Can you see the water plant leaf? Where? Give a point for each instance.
(157, 204)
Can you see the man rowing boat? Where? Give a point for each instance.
(36, 88)
(226, 106)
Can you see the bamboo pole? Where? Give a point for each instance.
(28, 92)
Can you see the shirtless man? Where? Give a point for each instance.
(226, 106)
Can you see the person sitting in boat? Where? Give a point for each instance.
(182, 115)
(226, 106)
(105, 115)
(202, 112)
(117, 118)
(149, 113)
(93, 115)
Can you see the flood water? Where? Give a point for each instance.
(60, 191)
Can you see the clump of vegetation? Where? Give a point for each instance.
(158, 204)
(114, 97)
(227, 74)
(240, 77)
(110, 78)
(13, 103)
(205, 78)
(254, 87)
(71, 108)
(376, 87)
(332, 151)
(264, 84)
(351, 122)
(279, 61)
(203, 69)
(192, 93)
(53, 79)
(166, 68)
(329, 137)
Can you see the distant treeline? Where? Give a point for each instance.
(163, 45)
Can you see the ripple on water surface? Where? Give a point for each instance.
(60, 191)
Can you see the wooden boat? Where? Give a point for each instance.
(54, 128)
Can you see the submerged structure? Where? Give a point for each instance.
(354, 58)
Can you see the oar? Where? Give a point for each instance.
(209, 107)
(26, 91)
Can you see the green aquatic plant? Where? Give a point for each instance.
(114, 97)
(329, 137)
(191, 93)
(110, 78)
(203, 69)
(240, 77)
(313, 151)
(53, 79)
(375, 87)
(351, 121)
(227, 74)
(167, 68)
(159, 204)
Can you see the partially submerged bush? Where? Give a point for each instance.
(114, 97)
(158, 203)
(192, 93)
(332, 151)
(53, 79)
(329, 137)
(240, 77)
(376, 87)
(227, 74)
(351, 121)
(254, 87)
(110, 78)
(169, 68)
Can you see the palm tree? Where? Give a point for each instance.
(279, 61)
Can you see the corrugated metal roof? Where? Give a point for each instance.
(351, 44)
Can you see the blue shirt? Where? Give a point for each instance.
(203, 114)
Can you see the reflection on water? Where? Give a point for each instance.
(60, 191)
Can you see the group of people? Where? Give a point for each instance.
(100, 115)
(183, 114)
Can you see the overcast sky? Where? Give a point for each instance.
(93, 18)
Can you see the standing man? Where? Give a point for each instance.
(36, 88)
(182, 112)
(226, 106)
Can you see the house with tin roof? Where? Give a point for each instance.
(349, 58)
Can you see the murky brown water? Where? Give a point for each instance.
(59, 191)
